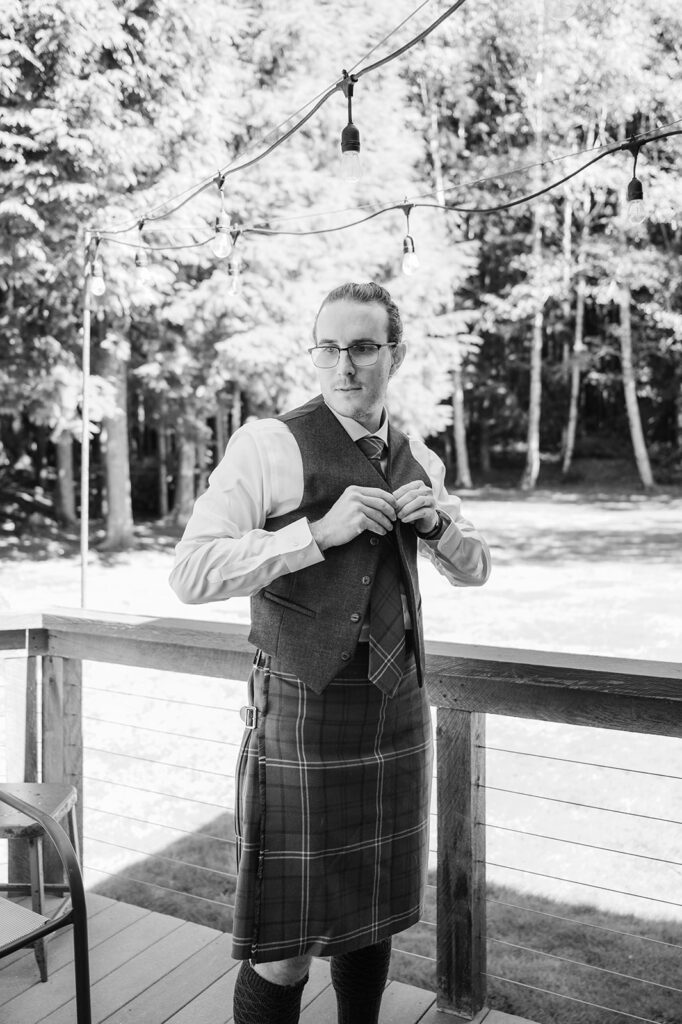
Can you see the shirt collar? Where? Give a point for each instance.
(356, 430)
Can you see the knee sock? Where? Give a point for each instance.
(359, 979)
(258, 1001)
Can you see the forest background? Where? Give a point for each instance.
(541, 337)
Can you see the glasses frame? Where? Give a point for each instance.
(346, 348)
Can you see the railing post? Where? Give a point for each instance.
(25, 763)
(461, 927)
(63, 737)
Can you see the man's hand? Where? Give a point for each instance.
(358, 509)
(415, 503)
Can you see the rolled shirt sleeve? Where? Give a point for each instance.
(224, 551)
(460, 553)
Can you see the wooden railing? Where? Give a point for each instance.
(464, 683)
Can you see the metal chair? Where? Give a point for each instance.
(30, 811)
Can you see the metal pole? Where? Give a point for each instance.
(85, 414)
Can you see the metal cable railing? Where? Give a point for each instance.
(568, 968)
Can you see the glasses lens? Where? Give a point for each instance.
(364, 354)
(325, 356)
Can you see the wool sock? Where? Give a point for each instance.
(359, 979)
(258, 1001)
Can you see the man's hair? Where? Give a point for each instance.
(368, 292)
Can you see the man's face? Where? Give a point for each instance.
(356, 391)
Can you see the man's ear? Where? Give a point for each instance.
(397, 356)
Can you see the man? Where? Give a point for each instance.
(317, 515)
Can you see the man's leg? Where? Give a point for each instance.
(359, 979)
(270, 993)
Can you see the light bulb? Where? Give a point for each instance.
(97, 282)
(221, 243)
(636, 208)
(410, 264)
(351, 165)
(637, 211)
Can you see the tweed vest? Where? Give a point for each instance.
(310, 620)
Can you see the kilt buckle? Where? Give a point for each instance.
(249, 716)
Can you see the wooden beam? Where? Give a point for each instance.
(63, 738)
(461, 915)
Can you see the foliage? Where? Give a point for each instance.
(109, 109)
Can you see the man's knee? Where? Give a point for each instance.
(285, 972)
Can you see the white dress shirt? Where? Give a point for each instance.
(225, 552)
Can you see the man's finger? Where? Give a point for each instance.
(402, 490)
(417, 507)
(378, 501)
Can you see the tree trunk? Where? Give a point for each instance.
(202, 457)
(484, 446)
(458, 421)
(66, 498)
(531, 470)
(458, 427)
(220, 433)
(184, 491)
(578, 348)
(236, 410)
(119, 511)
(162, 462)
(630, 389)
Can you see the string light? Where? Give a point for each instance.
(410, 263)
(636, 207)
(97, 283)
(633, 145)
(221, 244)
(351, 168)
(141, 257)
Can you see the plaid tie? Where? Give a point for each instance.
(386, 623)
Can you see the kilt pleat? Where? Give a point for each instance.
(332, 813)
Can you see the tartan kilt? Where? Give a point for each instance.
(331, 813)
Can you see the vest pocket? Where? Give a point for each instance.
(286, 603)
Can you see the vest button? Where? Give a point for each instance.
(366, 580)
(374, 541)
(345, 656)
(355, 617)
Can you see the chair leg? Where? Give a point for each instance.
(73, 832)
(35, 856)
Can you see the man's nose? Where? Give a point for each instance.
(345, 364)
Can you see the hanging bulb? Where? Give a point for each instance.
(410, 263)
(351, 164)
(97, 282)
(636, 212)
(221, 243)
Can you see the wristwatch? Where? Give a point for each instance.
(439, 529)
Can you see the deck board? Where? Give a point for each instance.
(151, 967)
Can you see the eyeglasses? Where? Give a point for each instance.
(360, 353)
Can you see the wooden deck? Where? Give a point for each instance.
(151, 968)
